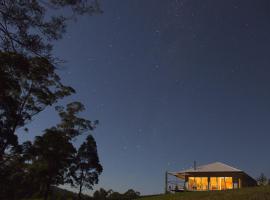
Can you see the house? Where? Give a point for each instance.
(214, 176)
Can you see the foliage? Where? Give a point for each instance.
(27, 28)
(27, 87)
(52, 154)
(87, 167)
(60, 194)
(29, 84)
(102, 194)
(71, 124)
(262, 180)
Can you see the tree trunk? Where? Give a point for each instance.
(47, 190)
(80, 193)
(81, 185)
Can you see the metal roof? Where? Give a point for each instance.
(212, 167)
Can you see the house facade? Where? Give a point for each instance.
(214, 176)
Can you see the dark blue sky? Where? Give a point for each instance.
(171, 82)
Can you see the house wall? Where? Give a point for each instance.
(240, 179)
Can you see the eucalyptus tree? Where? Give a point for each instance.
(29, 81)
(87, 167)
(54, 158)
(31, 26)
(53, 153)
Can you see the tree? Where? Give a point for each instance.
(131, 194)
(71, 124)
(27, 28)
(55, 160)
(28, 86)
(16, 173)
(262, 180)
(52, 154)
(87, 168)
(102, 194)
(29, 82)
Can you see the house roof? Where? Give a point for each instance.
(212, 167)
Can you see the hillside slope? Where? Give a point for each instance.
(256, 193)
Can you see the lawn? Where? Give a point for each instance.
(256, 193)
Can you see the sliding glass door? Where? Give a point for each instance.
(221, 183)
(215, 183)
(198, 183)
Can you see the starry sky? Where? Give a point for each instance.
(170, 82)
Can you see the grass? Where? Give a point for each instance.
(255, 193)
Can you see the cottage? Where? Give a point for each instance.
(214, 176)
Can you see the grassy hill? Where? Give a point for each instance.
(256, 193)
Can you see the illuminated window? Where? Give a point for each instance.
(191, 183)
(216, 183)
(229, 183)
(213, 183)
(221, 183)
(198, 183)
(204, 183)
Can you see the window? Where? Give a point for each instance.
(221, 183)
(213, 183)
(191, 183)
(198, 183)
(229, 183)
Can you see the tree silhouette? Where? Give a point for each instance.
(87, 168)
(29, 82)
(262, 180)
(53, 153)
(71, 124)
(102, 194)
(27, 87)
(26, 27)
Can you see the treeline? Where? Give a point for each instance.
(29, 83)
(262, 180)
(102, 194)
(32, 168)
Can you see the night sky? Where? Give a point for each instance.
(171, 82)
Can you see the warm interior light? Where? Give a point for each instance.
(216, 183)
(221, 183)
(198, 183)
(229, 183)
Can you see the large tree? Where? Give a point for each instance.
(28, 86)
(87, 167)
(31, 26)
(29, 82)
(54, 158)
(52, 154)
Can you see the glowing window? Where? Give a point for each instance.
(229, 183)
(221, 183)
(191, 183)
(213, 183)
(198, 183)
